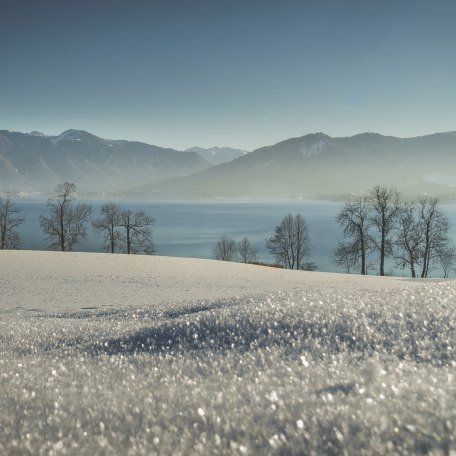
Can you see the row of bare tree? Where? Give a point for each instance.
(290, 245)
(66, 220)
(415, 233)
(227, 249)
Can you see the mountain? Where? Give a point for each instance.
(35, 162)
(317, 165)
(311, 166)
(218, 155)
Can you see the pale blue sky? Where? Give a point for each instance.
(226, 72)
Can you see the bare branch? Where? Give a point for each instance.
(291, 242)
(107, 225)
(138, 232)
(65, 224)
(354, 219)
(246, 252)
(384, 204)
(225, 249)
(10, 219)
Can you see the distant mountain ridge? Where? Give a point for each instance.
(218, 155)
(311, 166)
(36, 162)
(317, 165)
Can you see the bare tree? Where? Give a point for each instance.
(65, 224)
(384, 203)
(138, 232)
(309, 266)
(291, 241)
(346, 255)
(354, 219)
(246, 252)
(225, 249)
(10, 219)
(409, 242)
(435, 227)
(108, 226)
(446, 257)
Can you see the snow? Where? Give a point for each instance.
(69, 135)
(316, 148)
(118, 354)
(72, 281)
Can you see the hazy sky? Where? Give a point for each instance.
(227, 72)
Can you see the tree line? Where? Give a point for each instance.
(376, 227)
(382, 225)
(290, 246)
(65, 224)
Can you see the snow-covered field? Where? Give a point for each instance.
(117, 354)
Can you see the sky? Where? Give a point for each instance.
(232, 73)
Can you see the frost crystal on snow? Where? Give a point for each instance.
(313, 372)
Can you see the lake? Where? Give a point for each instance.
(191, 228)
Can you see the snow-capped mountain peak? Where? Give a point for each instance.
(70, 135)
(37, 133)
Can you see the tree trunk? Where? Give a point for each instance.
(363, 257)
(424, 271)
(382, 249)
(62, 235)
(412, 269)
(128, 240)
(3, 236)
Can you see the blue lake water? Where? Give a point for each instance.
(191, 228)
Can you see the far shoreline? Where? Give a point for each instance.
(44, 196)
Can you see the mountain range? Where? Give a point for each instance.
(320, 166)
(311, 166)
(36, 162)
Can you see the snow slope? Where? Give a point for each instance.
(117, 354)
(54, 281)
